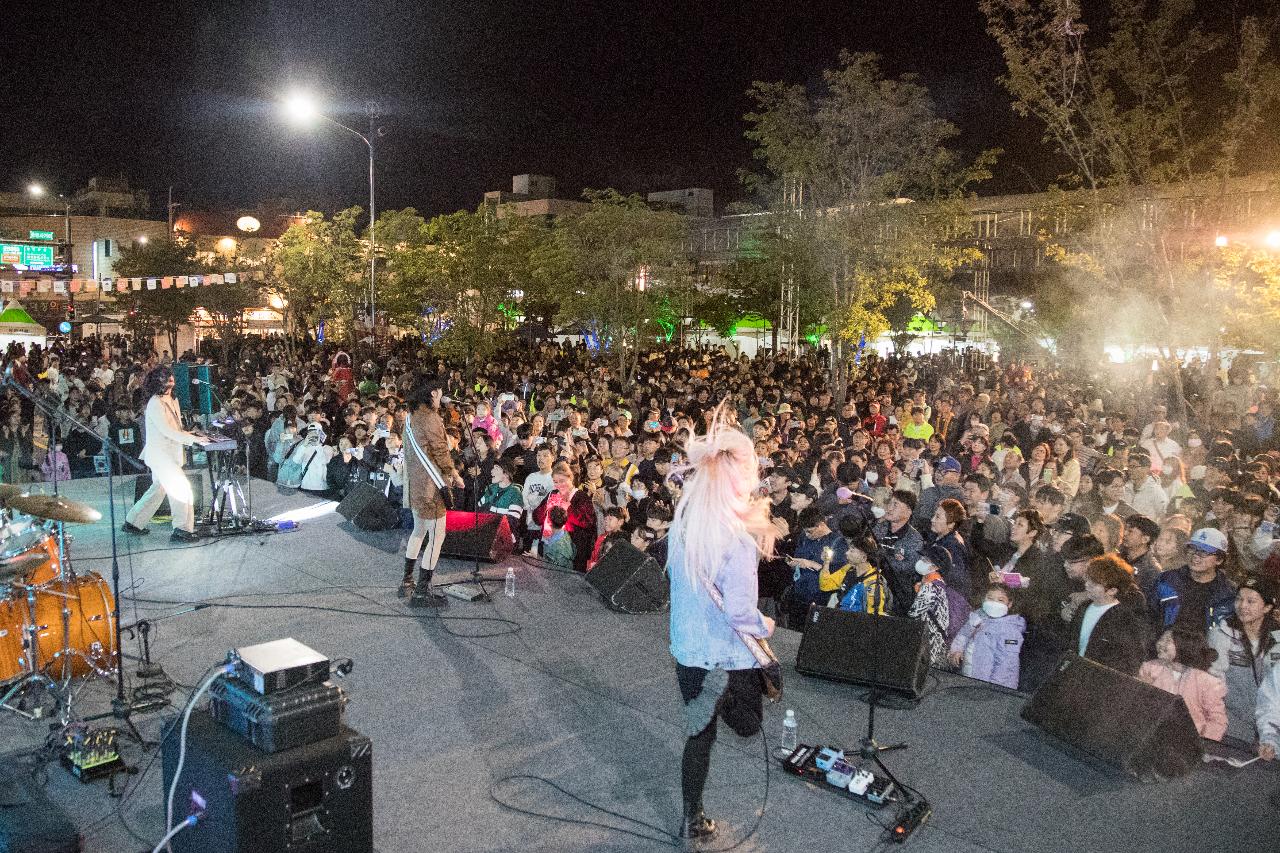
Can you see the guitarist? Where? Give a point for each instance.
(428, 470)
(721, 528)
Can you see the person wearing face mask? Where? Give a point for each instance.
(930, 605)
(989, 645)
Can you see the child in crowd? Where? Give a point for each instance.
(614, 518)
(1182, 666)
(56, 466)
(557, 547)
(989, 645)
(930, 605)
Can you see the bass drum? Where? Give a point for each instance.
(91, 627)
(13, 621)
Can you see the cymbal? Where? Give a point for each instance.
(55, 508)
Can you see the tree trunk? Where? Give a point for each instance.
(839, 371)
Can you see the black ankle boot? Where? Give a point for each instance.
(406, 584)
(697, 829)
(424, 595)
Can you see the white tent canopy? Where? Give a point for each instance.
(16, 326)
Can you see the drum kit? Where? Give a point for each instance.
(57, 627)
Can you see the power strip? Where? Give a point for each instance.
(910, 820)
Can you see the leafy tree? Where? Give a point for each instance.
(611, 270)
(1149, 99)
(864, 162)
(317, 270)
(163, 310)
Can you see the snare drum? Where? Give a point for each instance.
(34, 541)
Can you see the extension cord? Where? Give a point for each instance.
(910, 820)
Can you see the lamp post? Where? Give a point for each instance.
(302, 108)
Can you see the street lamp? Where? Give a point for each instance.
(302, 109)
(1273, 240)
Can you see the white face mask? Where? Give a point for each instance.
(872, 477)
(1194, 442)
(640, 494)
(877, 511)
(995, 609)
(923, 567)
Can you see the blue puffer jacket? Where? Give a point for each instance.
(1166, 596)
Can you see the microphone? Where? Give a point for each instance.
(197, 381)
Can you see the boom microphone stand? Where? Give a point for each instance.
(121, 708)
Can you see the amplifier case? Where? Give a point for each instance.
(278, 721)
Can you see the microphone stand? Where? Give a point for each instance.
(121, 708)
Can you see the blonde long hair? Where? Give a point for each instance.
(720, 503)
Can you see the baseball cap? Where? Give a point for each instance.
(1209, 539)
(1268, 589)
(948, 463)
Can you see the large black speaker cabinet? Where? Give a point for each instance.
(1115, 718)
(630, 580)
(367, 508)
(885, 653)
(309, 799)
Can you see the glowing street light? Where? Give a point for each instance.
(35, 190)
(142, 239)
(1026, 305)
(1221, 241)
(1273, 240)
(303, 109)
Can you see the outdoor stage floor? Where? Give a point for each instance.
(587, 698)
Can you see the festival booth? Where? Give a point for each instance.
(16, 326)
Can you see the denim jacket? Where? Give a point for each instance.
(701, 635)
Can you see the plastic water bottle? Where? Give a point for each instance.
(288, 524)
(789, 731)
(511, 582)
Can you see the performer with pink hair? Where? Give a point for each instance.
(720, 530)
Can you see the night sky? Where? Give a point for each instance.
(640, 96)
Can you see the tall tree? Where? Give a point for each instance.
(863, 162)
(163, 310)
(610, 269)
(317, 270)
(1154, 115)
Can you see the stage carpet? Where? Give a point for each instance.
(463, 709)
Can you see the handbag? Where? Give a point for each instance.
(770, 667)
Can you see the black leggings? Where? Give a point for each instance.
(740, 707)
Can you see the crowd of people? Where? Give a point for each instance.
(1020, 512)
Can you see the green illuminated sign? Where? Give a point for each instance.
(32, 257)
(40, 235)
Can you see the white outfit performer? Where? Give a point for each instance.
(163, 454)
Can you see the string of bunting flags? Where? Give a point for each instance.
(24, 286)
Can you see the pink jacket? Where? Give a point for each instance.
(1203, 693)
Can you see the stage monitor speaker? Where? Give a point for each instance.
(30, 822)
(886, 653)
(1115, 718)
(469, 536)
(367, 508)
(312, 798)
(630, 581)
